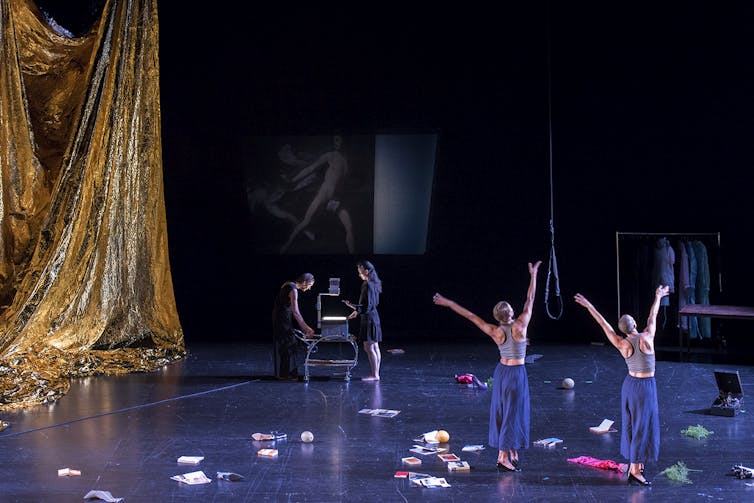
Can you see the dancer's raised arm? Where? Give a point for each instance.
(615, 339)
(487, 328)
(660, 292)
(525, 315)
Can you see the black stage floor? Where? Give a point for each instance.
(125, 433)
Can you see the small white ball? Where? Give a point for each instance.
(567, 383)
(307, 436)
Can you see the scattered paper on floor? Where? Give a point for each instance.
(229, 476)
(448, 457)
(425, 450)
(380, 412)
(549, 442)
(101, 495)
(458, 466)
(68, 472)
(190, 460)
(431, 482)
(603, 427)
(192, 478)
(472, 448)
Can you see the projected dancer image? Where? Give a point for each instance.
(285, 342)
(270, 194)
(370, 331)
(270, 198)
(327, 196)
(509, 408)
(640, 428)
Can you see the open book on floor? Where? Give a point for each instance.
(549, 442)
(458, 466)
(603, 427)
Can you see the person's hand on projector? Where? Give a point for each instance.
(355, 311)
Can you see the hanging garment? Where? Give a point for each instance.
(640, 279)
(662, 267)
(702, 286)
(693, 320)
(683, 284)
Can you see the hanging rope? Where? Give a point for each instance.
(552, 264)
(552, 271)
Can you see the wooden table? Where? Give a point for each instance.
(712, 311)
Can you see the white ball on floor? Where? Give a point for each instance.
(307, 436)
(567, 383)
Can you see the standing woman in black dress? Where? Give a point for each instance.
(283, 314)
(370, 331)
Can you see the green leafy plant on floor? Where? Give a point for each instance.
(678, 472)
(698, 432)
(489, 382)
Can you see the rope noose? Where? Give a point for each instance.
(552, 270)
(552, 264)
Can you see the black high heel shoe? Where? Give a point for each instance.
(502, 468)
(633, 481)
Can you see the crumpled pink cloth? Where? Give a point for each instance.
(465, 379)
(470, 379)
(605, 464)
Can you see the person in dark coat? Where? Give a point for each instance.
(286, 310)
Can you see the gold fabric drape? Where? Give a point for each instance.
(85, 282)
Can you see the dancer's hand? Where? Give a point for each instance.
(534, 268)
(440, 300)
(662, 291)
(581, 300)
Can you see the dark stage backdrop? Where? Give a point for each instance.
(651, 129)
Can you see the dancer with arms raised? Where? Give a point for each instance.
(509, 409)
(640, 429)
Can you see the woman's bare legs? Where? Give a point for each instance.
(372, 350)
(345, 219)
(315, 204)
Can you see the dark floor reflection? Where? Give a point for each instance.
(125, 433)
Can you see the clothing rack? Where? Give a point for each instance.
(654, 235)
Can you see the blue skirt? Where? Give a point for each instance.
(640, 433)
(509, 409)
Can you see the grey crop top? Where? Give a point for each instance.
(511, 349)
(639, 362)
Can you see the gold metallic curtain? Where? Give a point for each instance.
(85, 283)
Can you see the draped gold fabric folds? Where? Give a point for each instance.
(85, 282)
